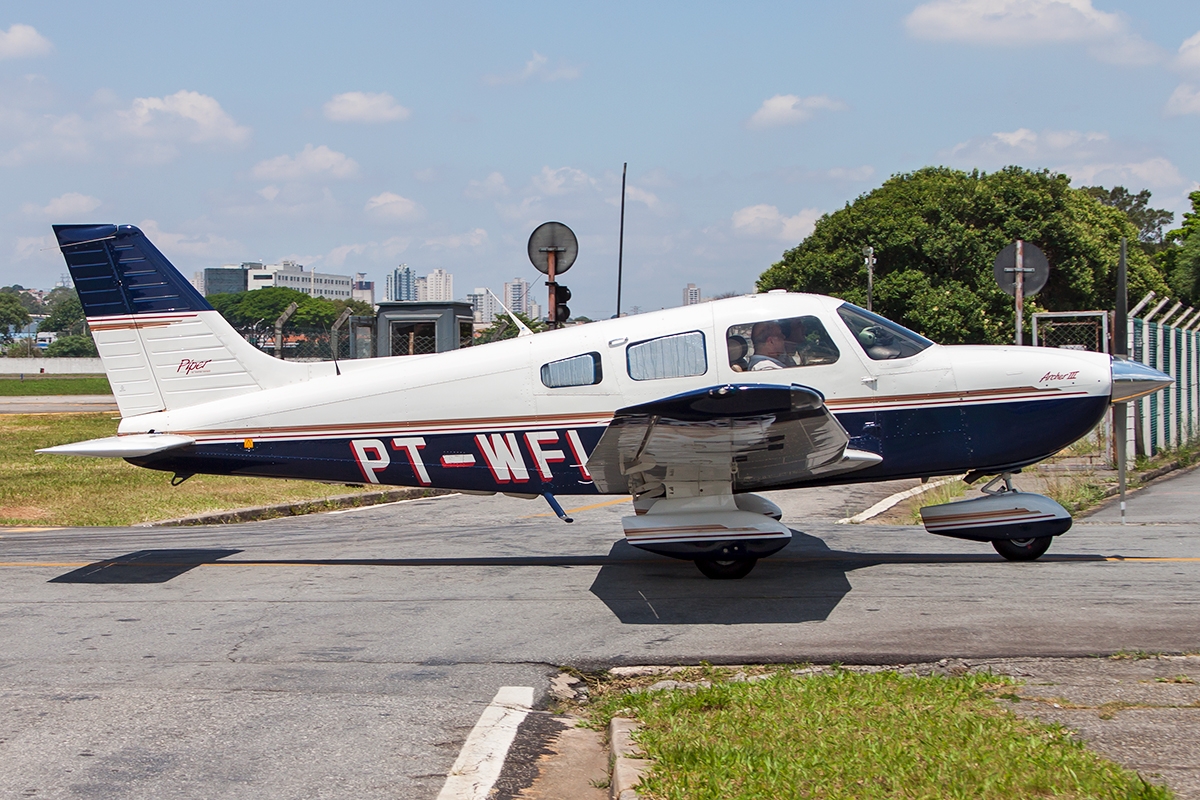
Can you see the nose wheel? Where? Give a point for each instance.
(1023, 549)
(720, 569)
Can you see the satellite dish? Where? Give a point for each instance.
(557, 237)
(1037, 269)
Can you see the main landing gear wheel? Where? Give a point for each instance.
(719, 569)
(1022, 549)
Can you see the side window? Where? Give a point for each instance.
(678, 356)
(880, 338)
(779, 344)
(577, 371)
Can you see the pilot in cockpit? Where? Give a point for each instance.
(770, 346)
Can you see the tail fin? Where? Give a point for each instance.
(163, 346)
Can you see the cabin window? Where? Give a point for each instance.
(678, 356)
(577, 371)
(779, 344)
(881, 339)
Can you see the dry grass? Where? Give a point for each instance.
(48, 490)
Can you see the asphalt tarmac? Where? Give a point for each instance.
(349, 654)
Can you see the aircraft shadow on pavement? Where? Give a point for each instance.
(144, 566)
(652, 590)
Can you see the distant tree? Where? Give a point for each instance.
(12, 315)
(1149, 221)
(28, 301)
(258, 307)
(357, 307)
(72, 347)
(936, 233)
(503, 328)
(66, 316)
(1180, 256)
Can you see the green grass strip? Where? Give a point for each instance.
(46, 490)
(38, 384)
(851, 735)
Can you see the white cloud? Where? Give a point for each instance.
(188, 116)
(1090, 157)
(562, 180)
(1184, 100)
(269, 193)
(365, 107)
(392, 207)
(474, 238)
(1011, 23)
(23, 41)
(493, 185)
(764, 221)
(635, 195)
(308, 162)
(790, 109)
(174, 245)
(1188, 59)
(28, 247)
(536, 68)
(71, 204)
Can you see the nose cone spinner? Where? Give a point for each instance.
(1132, 379)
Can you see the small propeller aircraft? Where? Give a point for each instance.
(689, 410)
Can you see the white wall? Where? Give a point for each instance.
(51, 366)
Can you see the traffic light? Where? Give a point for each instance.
(561, 295)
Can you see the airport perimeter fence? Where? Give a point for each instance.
(355, 339)
(1170, 418)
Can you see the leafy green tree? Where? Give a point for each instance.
(12, 315)
(66, 316)
(72, 347)
(503, 328)
(1180, 257)
(936, 234)
(1149, 221)
(30, 303)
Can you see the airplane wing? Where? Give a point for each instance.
(753, 435)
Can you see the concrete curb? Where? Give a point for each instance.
(895, 499)
(627, 762)
(297, 508)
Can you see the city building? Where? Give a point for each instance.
(251, 275)
(484, 305)
(362, 289)
(401, 284)
(516, 296)
(691, 294)
(291, 275)
(439, 286)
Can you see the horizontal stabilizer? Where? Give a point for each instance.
(132, 446)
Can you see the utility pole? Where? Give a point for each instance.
(869, 260)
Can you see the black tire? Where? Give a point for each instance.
(721, 570)
(1023, 549)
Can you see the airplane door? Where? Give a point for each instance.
(917, 422)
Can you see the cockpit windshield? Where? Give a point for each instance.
(881, 339)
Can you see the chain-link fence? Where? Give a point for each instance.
(355, 339)
(1081, 330)
(413, 338)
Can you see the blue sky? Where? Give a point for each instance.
(354, 139)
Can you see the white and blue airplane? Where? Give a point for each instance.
(689, 410)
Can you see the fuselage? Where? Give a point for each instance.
(522, 415)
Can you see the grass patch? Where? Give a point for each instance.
(946, 493)
(38, 489)
(38, 384)
(850, 735)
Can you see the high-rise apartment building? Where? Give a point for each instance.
(485, 306)
(401, 284)
(439, 286)
(691, 294)
(362, 289)
(516, 296)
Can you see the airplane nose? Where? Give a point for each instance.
(1132, 379)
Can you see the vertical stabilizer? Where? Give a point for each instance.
(163, 346)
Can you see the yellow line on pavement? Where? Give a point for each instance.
(1148, 558)
(27, 530)
(605, 504)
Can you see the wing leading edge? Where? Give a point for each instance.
(748, 436)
